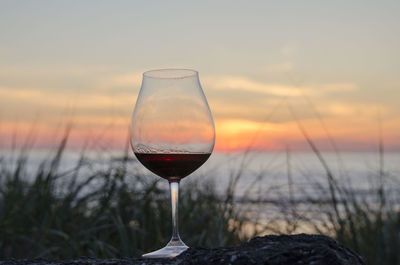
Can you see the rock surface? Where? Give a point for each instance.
(269, 250)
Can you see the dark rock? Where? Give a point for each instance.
(269, 250)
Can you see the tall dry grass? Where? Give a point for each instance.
(108, 212)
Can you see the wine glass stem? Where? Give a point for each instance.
(174, 189)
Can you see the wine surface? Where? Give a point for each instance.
(172, 166)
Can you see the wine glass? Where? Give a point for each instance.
(172, 134)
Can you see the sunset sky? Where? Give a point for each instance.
(332, 65)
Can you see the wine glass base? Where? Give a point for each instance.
(169, 251)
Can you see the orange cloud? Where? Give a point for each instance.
(245, 84)
(101, 114)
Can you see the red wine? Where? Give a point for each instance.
(172, 166)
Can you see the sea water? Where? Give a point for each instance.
(255, 174)
(266, 186)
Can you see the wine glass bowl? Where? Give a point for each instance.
(172, 134)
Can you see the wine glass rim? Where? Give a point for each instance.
(170, 73)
